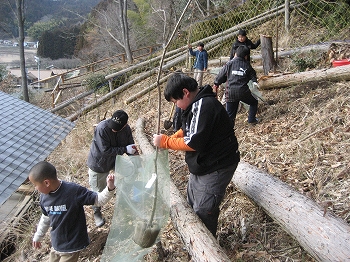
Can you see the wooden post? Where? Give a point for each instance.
(287, 16)
(269, 62)
(110, 83)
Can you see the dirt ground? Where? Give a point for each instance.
(302, 138)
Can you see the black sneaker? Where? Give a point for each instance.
(254, 122)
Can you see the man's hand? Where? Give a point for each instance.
(157, 139)
(131, 149)
(110, 182)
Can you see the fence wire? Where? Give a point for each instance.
(303, 23)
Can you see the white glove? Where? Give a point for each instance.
(255, 85)
(131, 149)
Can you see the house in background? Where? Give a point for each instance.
(33, 74)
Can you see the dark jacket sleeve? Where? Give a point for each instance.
(252, 74)
(103, 142)
(254, 46)
(130, 138)
(193, 53)
(222, 75)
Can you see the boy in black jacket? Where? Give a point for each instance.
(242, 39)
(238, 72)
(211, 147)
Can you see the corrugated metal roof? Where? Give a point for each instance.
(28, 134)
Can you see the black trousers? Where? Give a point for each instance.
(205, 193)
(248, 98)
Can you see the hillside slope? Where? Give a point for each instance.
(303, 139)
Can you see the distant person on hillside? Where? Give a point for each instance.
(62, 205)
(242, 39)
(211, 147)
(200, 63)
(238, 72)
(112, 137)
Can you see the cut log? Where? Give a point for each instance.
(145, 91)
(199, 242)
(340, 73)
(268, 59)
(325, 237)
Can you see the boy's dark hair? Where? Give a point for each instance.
(242, 51)
(43, 170)
(175, 85)
(242, 32)
(201, 44)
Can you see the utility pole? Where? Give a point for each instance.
(21, 19)
(37, 59)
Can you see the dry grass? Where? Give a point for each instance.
(303, 139)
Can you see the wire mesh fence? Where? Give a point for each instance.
(292, 25)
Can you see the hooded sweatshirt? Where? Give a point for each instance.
(208, 133)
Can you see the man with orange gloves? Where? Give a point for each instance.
(211, 147)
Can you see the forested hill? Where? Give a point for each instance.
(37, 10)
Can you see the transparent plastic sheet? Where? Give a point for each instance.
(138, 201)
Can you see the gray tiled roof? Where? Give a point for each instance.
(28, 134)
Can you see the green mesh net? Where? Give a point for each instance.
(141, 208)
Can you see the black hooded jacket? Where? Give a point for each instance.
(248, 43)
(209, 131)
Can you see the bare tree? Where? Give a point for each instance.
(111, 23)
(123, 7)
(164, 17)
(161, 16)
(21, 19)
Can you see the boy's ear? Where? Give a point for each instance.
(186, 92)
(47, 182)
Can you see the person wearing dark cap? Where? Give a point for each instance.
(242, 39)
(200, 63)
(112, 137)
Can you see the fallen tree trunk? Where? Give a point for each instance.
(321, 234)
(332, 74)
(145, 91)
(325, 237)
(71, 100)
(176, 57)
(199, 242)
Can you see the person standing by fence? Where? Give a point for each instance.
(200, 63)
(242, 39)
